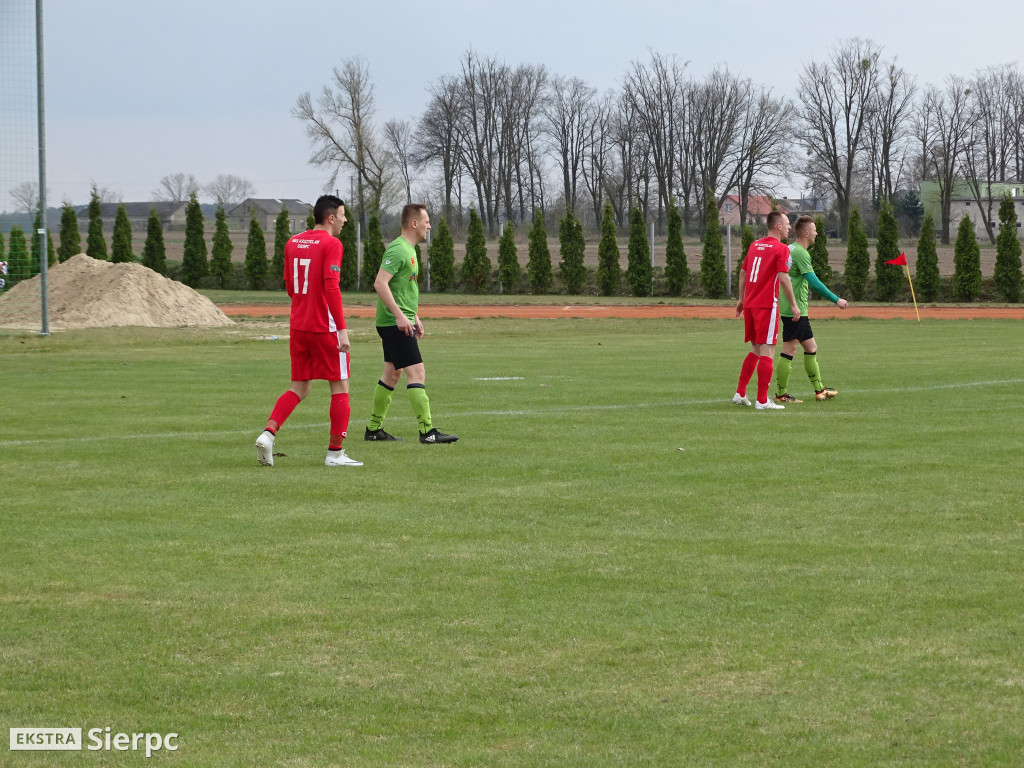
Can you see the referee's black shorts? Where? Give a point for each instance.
(796, 330)
(399, 350)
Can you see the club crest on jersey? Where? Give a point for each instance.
(412, 262)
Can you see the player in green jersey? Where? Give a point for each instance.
(798, 332)
(399, 326)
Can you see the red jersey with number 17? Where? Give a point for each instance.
(312, 267)
(765, 259)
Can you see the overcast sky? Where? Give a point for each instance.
(138, 90)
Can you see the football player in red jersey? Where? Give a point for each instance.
(764, 272)
(318, 338)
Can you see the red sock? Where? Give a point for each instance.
(749, 365)
(283, 407)
(764, 377)
(341, 411)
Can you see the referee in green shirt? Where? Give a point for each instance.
(399, 326)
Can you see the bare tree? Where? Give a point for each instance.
(569, 123)
(437, 139)
(890, 121)
(498, 135)
(988, 153)
(644, 181)
(176, 188)
(25, 196)
(836, 100)
(655, 91)
(717, 107)
(597, 156)
(1016, 88)
(685, 149)
(480, 87)
(763, 148)
(977, 174)
(340, 127)
(627, 139)
(229, 190)
(398, 134)
(521, 144)
(948, 113)
(923, 128)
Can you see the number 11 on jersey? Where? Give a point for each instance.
(755, 267)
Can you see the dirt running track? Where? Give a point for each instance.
(553, 311)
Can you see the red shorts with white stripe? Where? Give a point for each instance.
(315, 355)
(762, 325)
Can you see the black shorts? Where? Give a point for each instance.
(399, 350)
(799, 330)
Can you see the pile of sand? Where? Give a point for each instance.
(88, 293)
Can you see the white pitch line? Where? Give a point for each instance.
(470, 414)
(949, 386)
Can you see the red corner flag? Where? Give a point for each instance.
(899, 261)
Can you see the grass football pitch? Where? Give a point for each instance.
(614, 566)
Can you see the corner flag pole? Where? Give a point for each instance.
(912, 292)
(901, 260)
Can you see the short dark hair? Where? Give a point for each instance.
(773, 217)
(411, 212)
(325, 206)
(801, 224)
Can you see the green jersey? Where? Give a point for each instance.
(801, 266)
(400, 260)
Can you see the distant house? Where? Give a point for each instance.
(758, 208)
(172, 215)
(803, 206)
(267, 210)
(962, 203)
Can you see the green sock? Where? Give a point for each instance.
(420, 406)
(381, 401)
(813, 373)
(782, 370)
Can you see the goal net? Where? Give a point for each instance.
(20, 156)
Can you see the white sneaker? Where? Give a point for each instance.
(339, 458)
(741, 399)
(771, 405)
(265, 449)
